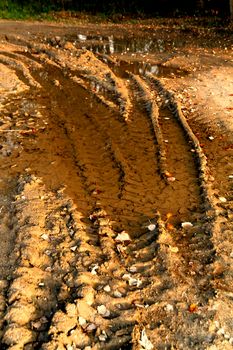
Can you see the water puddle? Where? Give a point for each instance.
(143, 68)
(130, 47)
(110, 45)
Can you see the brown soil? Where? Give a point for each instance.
(116, 186)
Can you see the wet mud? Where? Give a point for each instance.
(118, 215)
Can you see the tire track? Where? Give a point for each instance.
(107, 258)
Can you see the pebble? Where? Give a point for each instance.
(230, 176)
(169, 307)
(171, 179)
(107, 288)
(103, 336)
(93, 270)
(74, 248)
(123, 237)
(211, 138)
(221, 331)
(151, 227)
(82, 321)
(187, 224)
(134, 268)
(45, 237)
(103, 311)
(91, 327)
(117, 294)
(223, 199)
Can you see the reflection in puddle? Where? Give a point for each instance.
(109, 45)
(143, 68)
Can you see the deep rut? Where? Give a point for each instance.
(114, 217)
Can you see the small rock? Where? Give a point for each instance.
(230, 176)
(133, 269)
(103, 336)
(74, 248)
(171, 179)
(211, 138)
(94, 269)
(70, 347)
(135, 282)
(82, 321)
(123, 237)
(107, 288)
(221, 331)
(103, 311)
(91, 327)
(169, 307)
(151, 227)
(187, 224)
(56, 82)
(117, 294)
(145, 342)
(223, 199)
(45, 237)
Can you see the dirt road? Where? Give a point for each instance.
(116, 187)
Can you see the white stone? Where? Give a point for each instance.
(103, 311)
(82, 321)
(151, 227)
(186, 224)
(107, 288)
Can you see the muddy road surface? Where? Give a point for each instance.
(116, 187)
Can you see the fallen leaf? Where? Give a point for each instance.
(167, 174)
(169, 227)
(192, 307)
(174, 249)
(169, 215)
(145, 342)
